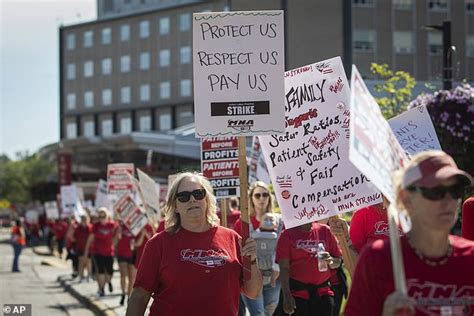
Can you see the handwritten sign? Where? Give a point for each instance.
(374, 149)
(51, 208)
(257, 166)
(101, 199)
(309, 166)
(238, 64)
(130, 213)
(118, 181)
(414, 130)
(150, 193)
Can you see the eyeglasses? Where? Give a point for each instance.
(185, 196)
(260, 195)
(439, 192)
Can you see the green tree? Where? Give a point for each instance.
(396, 89)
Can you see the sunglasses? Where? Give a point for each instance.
(185, 196)
(439, 192)
(260, 195)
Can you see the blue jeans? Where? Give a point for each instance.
(16, 255)
(266, 303)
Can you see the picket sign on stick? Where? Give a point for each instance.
(223, 206)
(244, 204)
(396, 250)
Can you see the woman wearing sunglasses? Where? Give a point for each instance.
(194, 266)
(438, 266)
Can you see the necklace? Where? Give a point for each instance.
(434, 263)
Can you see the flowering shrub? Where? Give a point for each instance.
(452, 113)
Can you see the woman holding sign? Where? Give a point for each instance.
(194, 267)
(438, 266)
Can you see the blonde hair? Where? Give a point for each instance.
(173, 219)
(105, 210)
(260, 184)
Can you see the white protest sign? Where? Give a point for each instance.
(238, 67)
(51, 208)
(118, 181)
(374, 149)
(70, 202)
(32, 216)
(257, 166)
(149, 190)
(309, 166)
(101, 199)
(130, 213)
(414, 130)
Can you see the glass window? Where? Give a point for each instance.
(402, 4)
(438, 5)
(125, 94)
(470, 5)
(185, 22)
(88, 38)
(185, 55)
(106, 35)
(144, 29)
(89, 129)
(470, 45)
(145, 123)
(107, 97)
(145, 92)
(71, 101)
(363, 40)
(107, 127)
(435, 43)
(71, 130)
(71, 71)
(363, 3)
(185, 88)
(403, 42)
(88, 99)
(165, 122)
(165, 88)
(144, 61)
(164, 57)
(164, 25)
(125, 63)
(184, 118)
(125, 125)
(70, 41)
(124, 32)
(106, 66)
(88, 68)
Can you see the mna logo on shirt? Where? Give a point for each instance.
(207, 258)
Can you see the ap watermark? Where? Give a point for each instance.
(17, 310)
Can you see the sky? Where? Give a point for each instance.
(29, 79)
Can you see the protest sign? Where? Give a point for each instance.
(70, 202)
(31, 217)
(220, 164)
(257, 166)
(52, 211)
(130, 213)
(238, 66)
(309, 166)
(101, 199)
(414, 131)
(118, 181)
(149, 190)
(163, 189)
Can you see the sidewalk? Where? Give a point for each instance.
(85, 292)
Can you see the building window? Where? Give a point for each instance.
(185, 55)
(106, 127)
(435, 43)
(185, 22)
(88, 99)
(403, 4)
(144, 29)
(185, 88)
(107, 97)
(89, 129)
(438, 5)
(144, 61)
(124, 32)
(145, 123)
(470, 6)
(165, 88)
(363, 40)
(106, 66)
(125, 125)
(106, 36)
(145, 92)
(363, 3)
(70, 41)
(88, 38)
(88, 68)
(71, 130)
(165, 122)
(164, 57)
(470, 45)
(71, 101)
(71, 71)
(125, 63)
(184, 118)
(164, 25)
(403, 42)
(125, 94)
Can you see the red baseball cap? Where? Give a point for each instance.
(431, 171)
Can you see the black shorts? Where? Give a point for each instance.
(129, 260)
(104, 264)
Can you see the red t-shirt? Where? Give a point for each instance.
(300, 248)
(161, 226)
(192, 273)
(468, 218)
(81, 234)
(232, 216)
(123, 246)
(60, 229)
(238, 224)
(445, 285)
(149, 231)
(103, 238)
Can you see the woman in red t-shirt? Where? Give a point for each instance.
(124, 240)
(60, 229)
(18, 241)
(80, 235)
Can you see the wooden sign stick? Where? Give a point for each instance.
(223, 205)
(396, 251)
(244, 211)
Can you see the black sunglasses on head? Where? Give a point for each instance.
(439, 192)
(259, 195)
(185, 196)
